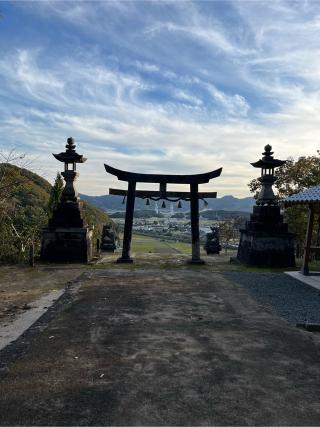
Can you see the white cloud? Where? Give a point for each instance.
(210, 36)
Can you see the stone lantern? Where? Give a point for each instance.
(67, 238)
(267, 179)
(70, 158)
(265, 241)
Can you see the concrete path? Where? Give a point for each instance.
(161, 347)
(10, 331)
(312, 280)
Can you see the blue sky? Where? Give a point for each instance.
(160, 86)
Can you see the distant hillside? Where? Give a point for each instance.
(222, 214)
(34, 191)
(30, 189)
(114, 203)
(227, 203)
(138, 214)
(230, 203)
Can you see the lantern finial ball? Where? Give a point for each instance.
(267, 152)
(70, 144)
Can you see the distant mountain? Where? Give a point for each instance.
(230, 203)
(227, 203)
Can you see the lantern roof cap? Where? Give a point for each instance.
(267, 160)
(70, 155)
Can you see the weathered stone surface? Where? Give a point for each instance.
(108, 242)
(212, 245)
(265, 241)
(263, 250)
(70, 244)
(67, 215)
(67, 238)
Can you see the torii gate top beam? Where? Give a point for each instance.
(201, 178)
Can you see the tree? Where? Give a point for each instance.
(55, 193)
(26, 226)
(19, 225)
(227, 232)
(293, 177)
(9, 181)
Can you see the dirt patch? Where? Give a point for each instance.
(168, 260)
(21, 285)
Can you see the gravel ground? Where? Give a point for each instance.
(288, 297)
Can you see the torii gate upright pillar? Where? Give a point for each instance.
(127, 234)
(195, 235)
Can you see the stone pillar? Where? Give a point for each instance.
(306, 253)
(195, 234)
(69, 192)
(127, 234)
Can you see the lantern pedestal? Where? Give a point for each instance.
(265, 240)
(66, 244)
(67, 214)
(67, 238)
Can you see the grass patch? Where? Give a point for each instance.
(145, 244)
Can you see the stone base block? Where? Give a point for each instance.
(265, 250)
(108, 247)
(124, 260)
(196, 261)
(66, 245)
(212, 249)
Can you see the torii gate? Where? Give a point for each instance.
(162, 180)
